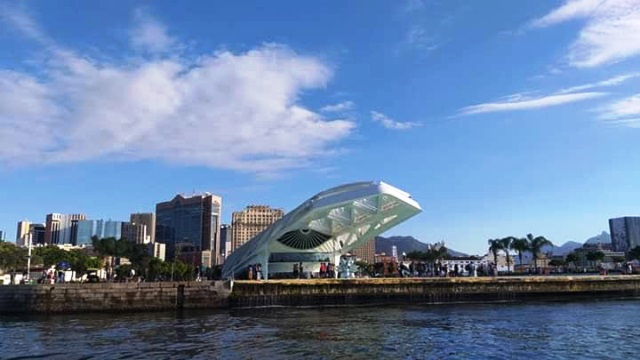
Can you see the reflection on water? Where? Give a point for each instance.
(578, 330)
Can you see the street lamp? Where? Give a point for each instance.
(29, 238)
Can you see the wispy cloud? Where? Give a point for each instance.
(391, 124)
(520, 102)
(616, 80)
(419, 33)
(611, 32)
(339, 107)
(149, 34)
(167, 108)
(623, 112)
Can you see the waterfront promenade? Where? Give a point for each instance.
(157, 296)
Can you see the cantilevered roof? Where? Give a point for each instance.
(338, 219)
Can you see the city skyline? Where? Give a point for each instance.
(497, 125)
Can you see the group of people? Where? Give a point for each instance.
(422, 269)
(255, 272)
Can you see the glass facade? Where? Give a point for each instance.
(189, 223)
(86, 229)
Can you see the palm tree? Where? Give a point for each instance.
(535, 246)
(495, 245)
(520, 245)
(506, 245)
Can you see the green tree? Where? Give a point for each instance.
(520, 245)
(594, 257)
(572, 258)
(634, 254)
(535, 247)
(495, 246)
(12, 258)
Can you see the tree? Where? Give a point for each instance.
(594, 257)
(520, 245)
(572, 258)
(505, 244)
(634, 254)
(535, 247)
(495, 245)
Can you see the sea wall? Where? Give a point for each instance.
(121, 297)
(101, 297)
(332, 292)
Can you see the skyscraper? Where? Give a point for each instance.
(37, 233)
(366, 252)
(62, 229)
(148, 219)
(191, 223)
(625, 233)
(136, 233)
(22, 233)
(251, 221)
(225, 240)
(86, 229)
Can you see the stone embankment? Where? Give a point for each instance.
(331, 292)
(75, 297)
(119, 297)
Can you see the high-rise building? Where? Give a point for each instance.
(62, 229)
(136, 233)
(251, 221)
(147, 219)
(192, 223)
(366, 252)
(225, 240)
(37, 233)
(625, 233)
(3, 235)
(22, 233)
(86, 229)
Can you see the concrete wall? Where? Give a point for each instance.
(73, 298)
(418, 290)
(120, 297)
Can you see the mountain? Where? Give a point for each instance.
(602, 238)
(565, 248)
(405, 244)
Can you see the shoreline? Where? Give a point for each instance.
(243, 294)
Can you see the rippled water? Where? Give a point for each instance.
(560, 330)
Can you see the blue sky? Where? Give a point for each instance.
(499, 117)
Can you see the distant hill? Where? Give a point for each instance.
(565, 248)
(405, 244)
(603, 238)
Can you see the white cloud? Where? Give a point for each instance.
(611, 32)
(624, 112)
(339, 107)
(149, 34)
(227, 110)
(391, 124)
(616, 80)
(520, 102)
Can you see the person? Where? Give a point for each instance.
(323, 269)
(296, 270)
(259, 272)
(301, 271)
(250, 272)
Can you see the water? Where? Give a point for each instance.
(559, 330)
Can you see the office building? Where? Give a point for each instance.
(625, 233)
(157, 250)
(190, 223)
(136, 233)
(87, 229)
(22, 233)
(147, 219)
(37, 233)
(225, 240)
(62, 229)
(365, 252)
(3, 235)
(252, 221)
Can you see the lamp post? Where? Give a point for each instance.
(29, 238)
